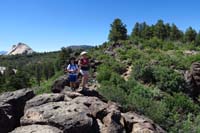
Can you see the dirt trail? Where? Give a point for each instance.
(127, 74)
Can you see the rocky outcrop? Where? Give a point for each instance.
(42, 99)
(12, 108)
(139, 124)
(68, 116)
(83, 111)
(192, 78)
(20, 48)
(60, 84)
(37, 129)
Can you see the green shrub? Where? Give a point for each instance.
(116, 79)
(153, 43)
(181, 103)
(142, 70)
(193, 58)
(142, 100)
(168, 80)
(104, 73)
(113, 92)
(179, 106)
(168, 46)
(157, 112)
(117, 67)
(111, 83)
(188, 125)
(134, 54)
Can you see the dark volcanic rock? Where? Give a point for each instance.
(12, 108)
(7, 120)
(68, 112)
(139, 124)
(192, 78)
(67, 116)
(37, 129)
(92, 93)
(95, 105)
(114, 123)
(60, 84)
(16, 96)
(44, 98)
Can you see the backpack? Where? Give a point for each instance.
(70, 66)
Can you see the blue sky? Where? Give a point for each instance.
(48, 25)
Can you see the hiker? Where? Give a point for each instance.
(84, 68)
(72, 70)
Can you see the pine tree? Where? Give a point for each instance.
(46, 70)
(2, 80)
(136, 32)
(160, 30)
(118, 31)
(168, 30)
(197, 41)
(146, 31)
(64, 55)
(190, 35)
(38, 73)
(175, 33)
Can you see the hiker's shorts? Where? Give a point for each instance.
(84, 72)
(72, 77)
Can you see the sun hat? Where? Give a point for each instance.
(84, 52)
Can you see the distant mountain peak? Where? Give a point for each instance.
(20, 48)
(84, 47)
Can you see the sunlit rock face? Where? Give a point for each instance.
(20, 48)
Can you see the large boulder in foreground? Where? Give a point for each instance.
(70, 117)
(37, 129)
(12, 108)
(68, 112)
(44, 98)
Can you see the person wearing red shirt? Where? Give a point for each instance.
(84, 68)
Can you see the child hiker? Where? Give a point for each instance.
(72, 70)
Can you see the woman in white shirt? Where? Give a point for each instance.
(72, 69)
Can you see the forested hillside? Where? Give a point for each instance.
(33, 70)
(160, 56)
